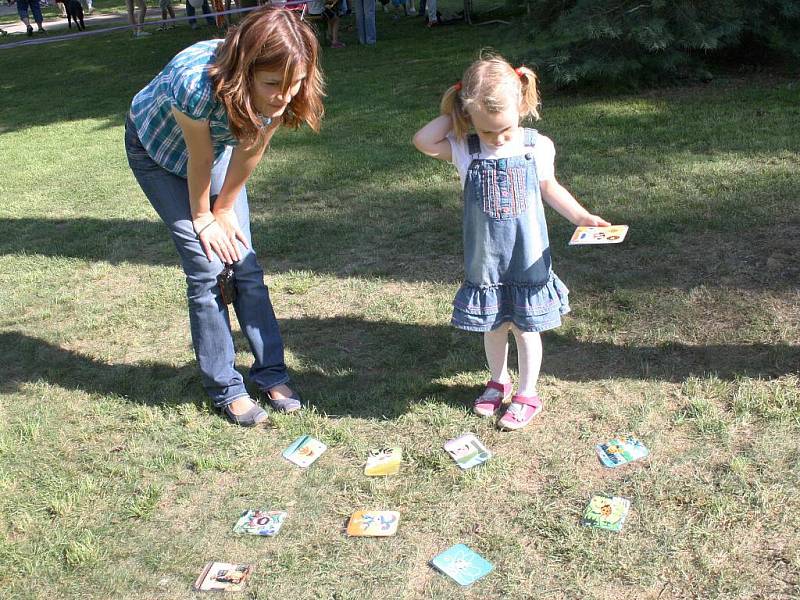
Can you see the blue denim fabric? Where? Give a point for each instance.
(508, 274)
(190, 12)
(365, 21)
(36, 10)
(208, 315)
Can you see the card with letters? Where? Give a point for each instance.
(260, 522)
(467, 450)
(613, 234)
(373, 523)
(383, 461)
(223, 577)
(304, 451)
(620, 451)
(463, 565)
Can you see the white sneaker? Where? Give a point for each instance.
(141, 34)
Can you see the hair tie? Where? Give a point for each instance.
(457, 86)
(518, 71)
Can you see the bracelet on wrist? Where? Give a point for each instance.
(204, 227)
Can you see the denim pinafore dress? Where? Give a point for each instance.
(508, 271)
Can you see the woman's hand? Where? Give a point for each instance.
(218, 233)
(592, 221)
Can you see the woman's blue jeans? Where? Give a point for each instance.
(208, 315)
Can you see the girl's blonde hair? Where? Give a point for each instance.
(268, 39)
(493, 85)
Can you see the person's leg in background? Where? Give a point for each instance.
(36, 11)
(22, 11)
(433, 19)
(358, 7)
(190, 12)
(137, 24)
(370, 35)
(206, 11)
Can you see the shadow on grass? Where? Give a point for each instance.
(421, 241)
(378, 369)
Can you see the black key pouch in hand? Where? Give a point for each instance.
(227, 284)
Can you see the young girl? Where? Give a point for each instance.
(506, 171)
(212, 96)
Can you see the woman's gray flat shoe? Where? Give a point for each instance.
(252, 417)
(290, 404)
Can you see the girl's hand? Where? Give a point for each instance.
(214, 239)
(592, 221)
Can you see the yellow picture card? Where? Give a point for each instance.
(383, 461)
(373, 523)
(613, 234)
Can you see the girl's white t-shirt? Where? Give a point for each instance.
(544, 153)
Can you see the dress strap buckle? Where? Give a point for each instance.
(474, 144)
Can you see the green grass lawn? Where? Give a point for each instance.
(117, 480)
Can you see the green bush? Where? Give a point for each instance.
(640, 42)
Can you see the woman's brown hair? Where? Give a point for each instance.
(268, 39)
(493, 85)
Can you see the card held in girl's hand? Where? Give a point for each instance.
(620, 451)
(613, 234)
(260, 522)
(373, 523)
(383, 461)
(467, 451)
(462, 564)
(606, 513)
(304, 451)
(223, 577)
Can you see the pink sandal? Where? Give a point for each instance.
(520, 412)
(487, 406)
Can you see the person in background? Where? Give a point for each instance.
(328, 10)
(22, 11)
(137, 21)
(166, 10)
(192, 5)
(365, 21)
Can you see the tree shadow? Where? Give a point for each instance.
(371, 369)
(421, 241)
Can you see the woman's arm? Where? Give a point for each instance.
(432, 139)
(565, 204)
(242, 164)
(219, 229)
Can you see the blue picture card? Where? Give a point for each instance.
(621, 451)
(463, 565)
(304, 450)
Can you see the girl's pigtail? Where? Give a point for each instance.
(452, 105)
(530, 93)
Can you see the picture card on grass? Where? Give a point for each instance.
(383, 461)
(463, 565)
(260, 522)
(373, 523)
(467, 450)
(606, 513)
(223, 577)
(613, 234)
(304, 451)
(620, 451)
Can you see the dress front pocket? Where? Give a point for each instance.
(503, 190)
